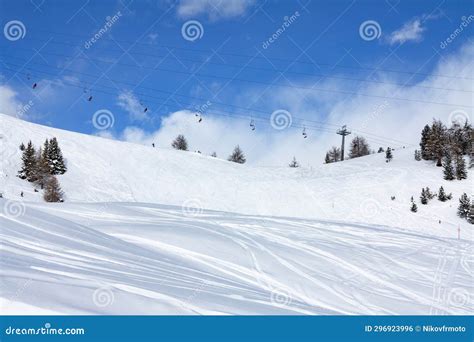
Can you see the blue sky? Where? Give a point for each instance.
(231, 73)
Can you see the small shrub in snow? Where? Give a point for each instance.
(442, 195)
(237, 156)
(388, 154)
(424, 197)
(414, 207)
(180, 143)
(294, 163)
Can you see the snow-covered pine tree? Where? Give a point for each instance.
(429, 194)
(442, 195)
(414, 207)
(359, 147)
(464, 206)
(28, 168)
(180, 143)
(425, 134)
(448, 167)
(459, 136)
(52, 190)
(470, 218)
(237, 156)
(417, 155)
(55, 157)
(380, 150)
(471, 148)
(388, 154)
(461, 172)
(424, 197)
(467, 137)
(294, 163)
(436, 141)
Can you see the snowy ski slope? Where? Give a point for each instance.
(135, 258)
(152, 231)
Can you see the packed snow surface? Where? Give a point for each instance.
(153, 231)
(135, 258)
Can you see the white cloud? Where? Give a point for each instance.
(215, 9)
(410, 31)
(400, 120)
(9, 103)
(130, 103)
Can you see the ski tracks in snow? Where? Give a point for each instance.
(223, 263)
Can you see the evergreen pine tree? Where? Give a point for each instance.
(424, 196)
(380, 150)
(55, 157)
(429, 194)
(28, 168)
(442, 195)
(464, 206)
(294, 163)
(237, 156)
(425, 133)
(471, 148)
(467, 137)
(461, 172)
(22, 147)
(52, 190)
(388, 154)
(470, 217)
(180, 143)
(414, 207)
(436, 141)
(448, 167)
